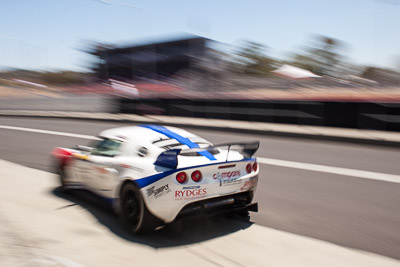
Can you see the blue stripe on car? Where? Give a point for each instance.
(179, 138)
(143, 182)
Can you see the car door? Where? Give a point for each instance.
(103, 164)
(103, 173)
(81, 170)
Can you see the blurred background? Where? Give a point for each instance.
(149, 55)
(284, 63)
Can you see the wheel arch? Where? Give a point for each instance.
(149, 220)
(117, 192)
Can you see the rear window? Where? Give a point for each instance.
(211, 150)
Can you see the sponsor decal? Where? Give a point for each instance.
(158, 192)
(227, 175)
(227, 178)
(190, 194)
(250, 184)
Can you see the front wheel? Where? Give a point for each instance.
(63, 176)
(134, 213)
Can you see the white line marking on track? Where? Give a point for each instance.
(276, 162)
(48, 132)
(334, 170)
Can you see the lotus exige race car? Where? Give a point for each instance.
(154, 175)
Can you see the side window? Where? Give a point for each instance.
(107, 148)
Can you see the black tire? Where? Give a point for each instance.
(134, 213)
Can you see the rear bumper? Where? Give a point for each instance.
(219, 205)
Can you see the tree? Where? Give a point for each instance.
(383, 76)
(251, 59)
(323, 57)
(305, 62)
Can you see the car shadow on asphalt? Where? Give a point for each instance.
(182, 233)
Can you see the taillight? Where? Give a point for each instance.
(65, 161)
(255, 166)
(181, 177)
(60, 153)
(63, 155)
(248, 168)
(196, 176)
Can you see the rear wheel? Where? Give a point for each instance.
(134, 213)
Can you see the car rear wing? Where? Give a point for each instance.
(169, 158)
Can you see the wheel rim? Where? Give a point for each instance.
(131, 207)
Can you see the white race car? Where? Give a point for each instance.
(154, 175)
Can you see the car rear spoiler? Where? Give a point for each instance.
(169, 158)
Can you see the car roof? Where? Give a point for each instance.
(149, 134)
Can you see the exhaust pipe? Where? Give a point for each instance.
(216, 204)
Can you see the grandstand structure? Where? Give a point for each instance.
(191, 65)
(152, 61)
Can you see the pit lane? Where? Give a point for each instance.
(344, 210)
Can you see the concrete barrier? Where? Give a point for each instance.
(75, 103)
(358, 115)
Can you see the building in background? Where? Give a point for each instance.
(154, 61)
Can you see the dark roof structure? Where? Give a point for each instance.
(149, 61)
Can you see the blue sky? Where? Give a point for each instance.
(47, 34)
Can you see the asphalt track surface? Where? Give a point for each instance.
(348, 211)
